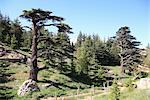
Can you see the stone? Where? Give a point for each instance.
(28, 86)
(144, 83)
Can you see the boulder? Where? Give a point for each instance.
(28, 86)
(144, 83)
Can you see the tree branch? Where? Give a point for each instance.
(27, 27)
(42, 25)
(43, 38)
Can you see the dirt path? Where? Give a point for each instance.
(87, 96)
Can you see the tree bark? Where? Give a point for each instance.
(122, 66)
(33, 67)
(121, 59)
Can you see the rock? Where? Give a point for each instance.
(28, 86)
(144, 83)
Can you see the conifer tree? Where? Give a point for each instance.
(129, 52)
(5, 29)
(17, 30)
(39, 19)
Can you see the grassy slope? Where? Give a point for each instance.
(64, 85)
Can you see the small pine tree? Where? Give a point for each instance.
(13, 42)
(114, 92)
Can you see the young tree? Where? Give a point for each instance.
(82, 60)
(39, 19)
(13, 42)
(115, 91)
(129, 51)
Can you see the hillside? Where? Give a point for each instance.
(53, 83)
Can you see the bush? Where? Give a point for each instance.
(114, 92)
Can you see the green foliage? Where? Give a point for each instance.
(97, 74)
(26, 36)
(82, 62)
(17, 32)
(13, 42)
(4, 29)
(114, 92)
(8, 39)
(10, 32)
(58, 52)
(91, 52)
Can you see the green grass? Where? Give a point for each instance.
(136, 95)
(19, 73)
(64, 85)
(128, 95)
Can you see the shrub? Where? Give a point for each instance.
(114, 92)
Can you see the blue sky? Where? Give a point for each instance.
(103, 17)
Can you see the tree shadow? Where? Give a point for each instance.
(56, 84)
(4, 75)
(5, 93)
(80, 78)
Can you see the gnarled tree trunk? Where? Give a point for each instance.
(121, 59)
(122, 66)
(33, 67)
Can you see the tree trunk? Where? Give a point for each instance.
(33, 66)
(121, 59)
(33, 73)
(122, 67)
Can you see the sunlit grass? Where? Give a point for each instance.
(128, 95)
